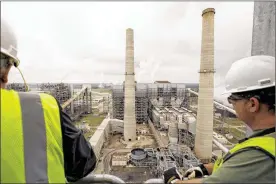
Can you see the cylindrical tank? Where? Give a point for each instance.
(150, 154)
(138, 154)
(191, 124)
(166, 125)
(182, 126)
(192, 128)
(180, 118)
(173, 132)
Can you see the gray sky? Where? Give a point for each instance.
(85, 41)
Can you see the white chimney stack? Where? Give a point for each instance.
(204, 125)
(129, 86)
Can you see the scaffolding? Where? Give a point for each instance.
(161, 159)
(19, 87)
(141, 103)
(118, 102)
(187, 138)
(147, 96)
(61, 91)
(80, 103)
(184, 156)
(166, 95)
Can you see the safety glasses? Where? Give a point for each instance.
(233, 98)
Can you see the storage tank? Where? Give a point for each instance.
(138, 154)
(162, 121)
(191, 124)
(180, 118)
(182, 126)
(173, 133)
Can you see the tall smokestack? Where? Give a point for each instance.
(263, 37)
(204, 125)
(129, 111)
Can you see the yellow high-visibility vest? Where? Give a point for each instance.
(31, 139)
(265, 143)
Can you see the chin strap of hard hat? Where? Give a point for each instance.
(26, 85)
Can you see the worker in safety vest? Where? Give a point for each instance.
(251, 85)
(39, 143)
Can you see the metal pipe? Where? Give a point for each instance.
(225, 107)
(219, 104)
(73, 98)
(100, 178)
(155, 180)
(220, 146)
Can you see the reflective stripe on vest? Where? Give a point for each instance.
(265, 143)
(31, 139)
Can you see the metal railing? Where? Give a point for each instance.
(155, 180)
(110, 179)
(220, 146)
(100, 178)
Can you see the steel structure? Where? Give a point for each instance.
(80, 103)
(146, 96)
(184, 156)
(62, 92)
(141, 103)
(160, 159)
(20, 87)
(118, 102)
(186, 138)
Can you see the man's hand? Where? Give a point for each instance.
(172, 175)
(196, 172)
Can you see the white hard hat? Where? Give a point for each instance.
(8, 42)
(251, 73)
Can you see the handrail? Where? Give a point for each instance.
(217, 103)
(155, 180)
(100, 178)
(220, 146)
(65, 104)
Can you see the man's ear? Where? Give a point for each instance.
(254, 104)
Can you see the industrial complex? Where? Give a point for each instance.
(148, 128)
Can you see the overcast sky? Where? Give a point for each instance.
(85, 41)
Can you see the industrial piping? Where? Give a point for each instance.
(155, 180)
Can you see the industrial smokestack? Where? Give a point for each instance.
(204, 125)
(129, 85)
(263, 37)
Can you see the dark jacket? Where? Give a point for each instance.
(79, 157)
